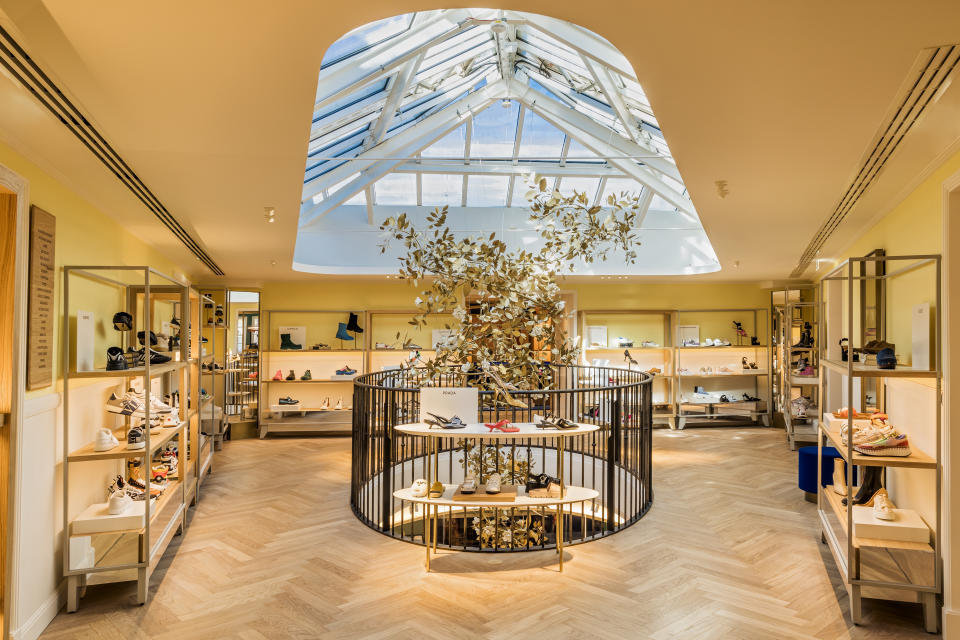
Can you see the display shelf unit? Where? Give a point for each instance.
(318, 326)
(701, 382)
(570, 494)
(207, 413)
(242, 392)
(384, 325)
(859, 297)
(214, 413)
(798, 307)
(657, 326)
(97, 549)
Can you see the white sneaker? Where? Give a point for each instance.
(708, 342)
(419, 488)
(493, 483)
(105, 440)
(883, 506)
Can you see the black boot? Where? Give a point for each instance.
(352, 324)
(872, 482)
(287, 343)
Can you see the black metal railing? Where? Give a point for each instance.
(614, 460)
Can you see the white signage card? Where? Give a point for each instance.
(450, 401)
(85, 331)
(921, 336)
(298, 336)
(597, 336)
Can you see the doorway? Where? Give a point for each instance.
(243, 373)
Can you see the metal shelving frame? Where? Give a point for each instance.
(846, 549)
(793, 312)
(148, 551)
(751, 415)
(668, 411)
(341, 420)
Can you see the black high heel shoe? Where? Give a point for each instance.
(872, 482)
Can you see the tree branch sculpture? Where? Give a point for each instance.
(506, 304)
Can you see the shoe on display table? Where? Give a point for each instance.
(419, 488)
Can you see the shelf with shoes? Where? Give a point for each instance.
(895, 446)
(121, 427)
(722, 366)
(288, 337)
(795, 386)
(394, 342)
(636, 340)
(214, 414)
(190, 318)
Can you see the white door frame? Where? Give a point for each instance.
(951, 388)
(21, 188)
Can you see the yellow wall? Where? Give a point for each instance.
(85, 236)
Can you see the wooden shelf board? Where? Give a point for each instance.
(732, 347)
(839, 510)
(312, 351)
(863, 371)
(916, 460)
(120, 451)
(314, 381)
(155, 370)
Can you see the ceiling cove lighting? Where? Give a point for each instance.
(405, 118)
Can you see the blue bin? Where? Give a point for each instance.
(807, 467)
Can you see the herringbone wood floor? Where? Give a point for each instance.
(729, 550)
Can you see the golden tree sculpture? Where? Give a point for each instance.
(506, 304)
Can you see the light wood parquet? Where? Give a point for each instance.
(729, 550)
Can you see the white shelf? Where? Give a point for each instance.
(481, 432)
(571, 495)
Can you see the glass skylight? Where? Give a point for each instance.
(436, 108)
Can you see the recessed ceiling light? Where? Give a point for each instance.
(269, 214)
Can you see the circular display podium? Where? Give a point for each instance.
(604, 464)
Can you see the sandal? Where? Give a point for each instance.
(745, 365)
(551, 421)
(504, 425)
(439, 421)
(436, 489)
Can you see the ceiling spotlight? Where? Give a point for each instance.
(505, 103)
(269, 214)
(499, 26)
(722, 188)
(273, 263)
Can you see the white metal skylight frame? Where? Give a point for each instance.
(411, 113)
(380, 107)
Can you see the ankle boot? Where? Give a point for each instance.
(872, 482)
(352, 324)
(342, 332)
(291, 375)
(287, 343)
(306, 375)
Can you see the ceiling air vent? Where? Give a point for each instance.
(15, 60)
(930, 73)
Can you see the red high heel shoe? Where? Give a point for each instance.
(503, 425)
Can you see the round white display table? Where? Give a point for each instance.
(480, 432)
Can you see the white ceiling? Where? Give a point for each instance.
(210, 103)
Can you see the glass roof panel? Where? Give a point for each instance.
(442, 188)
(343, 104)
(616, 186)
(487, 191)
(358, 198)
(396, 188)
(659, 204)
(569, 184)
(579, 153)
(366, 36)
(494, 131)
(520, 188)
(539, 139)
(449, 146)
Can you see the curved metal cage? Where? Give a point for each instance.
(615, 460)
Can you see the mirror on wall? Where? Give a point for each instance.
(243, 372)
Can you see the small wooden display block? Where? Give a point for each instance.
(508, 493)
